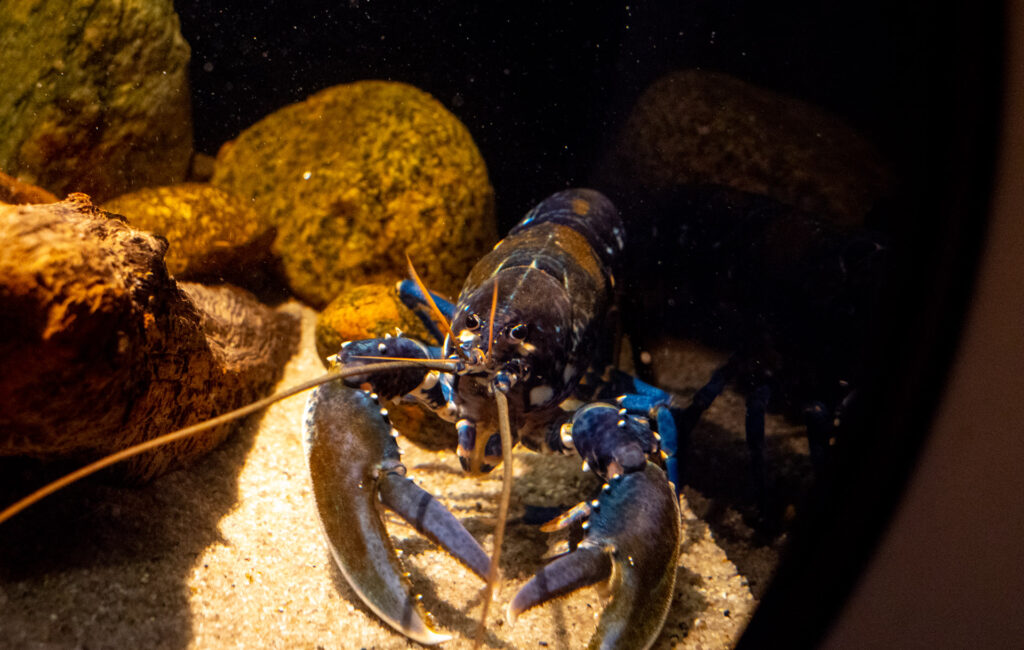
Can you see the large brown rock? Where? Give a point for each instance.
(694, 127)
(93, 95)
(101, 349)
(356, 177)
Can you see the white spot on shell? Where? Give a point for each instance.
(540, 394)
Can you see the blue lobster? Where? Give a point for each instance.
(524, 344)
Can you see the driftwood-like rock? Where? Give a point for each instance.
(16, 192)
(101, 349)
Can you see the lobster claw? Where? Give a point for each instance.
(354, 466)
(392, 383)
(629, 549)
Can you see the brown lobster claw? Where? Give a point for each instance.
(354, 466)
(629, 550)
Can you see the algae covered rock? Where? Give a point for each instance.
(356, 177)
(373, 311)
(103, 350)
(213, 235)
(694, 127)
(94, 95)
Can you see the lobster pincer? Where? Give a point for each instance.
(629, 550)
(354, 467)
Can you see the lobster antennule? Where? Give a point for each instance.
(493, 577)
(196, 429)
(430, 299)
(490, 324)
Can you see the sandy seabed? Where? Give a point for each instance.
(228, 553)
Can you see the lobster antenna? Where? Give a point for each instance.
(490, 324)
(195, 429)
(430, 299)
(493, 577)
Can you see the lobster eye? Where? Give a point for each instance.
(472, 322)
(518, 333)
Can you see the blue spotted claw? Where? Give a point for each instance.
(629, 550)
(390, 383)
(354, 465)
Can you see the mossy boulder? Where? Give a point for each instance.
(358, 176)
(94, 95)
(212, 235)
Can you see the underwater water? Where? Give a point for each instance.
(275, 169)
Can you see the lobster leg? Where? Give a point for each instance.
(354, 464)
(819, 428)
(757, 404)
(629, 550)
(638, 398)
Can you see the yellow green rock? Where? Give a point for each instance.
(357, 177)
(211, 232)
(365, 312)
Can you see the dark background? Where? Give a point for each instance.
(542, 89)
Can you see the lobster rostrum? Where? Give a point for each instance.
(518, 358)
